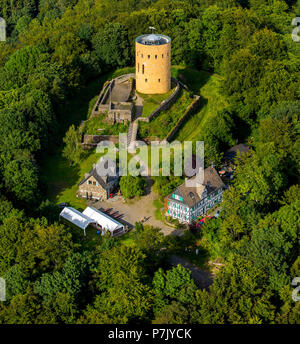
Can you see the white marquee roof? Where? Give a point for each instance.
(102, 219)
(76, 217)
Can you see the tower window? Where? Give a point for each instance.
(146, 80)
(148, 56)
(138, 67)
(142, 55)
(143, 69)
(162, 55)
(158, 80)
(155, 57)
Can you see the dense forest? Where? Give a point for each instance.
(53, 49)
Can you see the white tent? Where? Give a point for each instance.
(76, 217)
(102, 219)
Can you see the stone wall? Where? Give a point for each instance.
(192, 108)
(100, 106)
(93, 190)
(165, 105)
(91, 141)
(120, 112)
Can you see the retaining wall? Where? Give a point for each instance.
(165, 105)
(91, 141)
(193, 107)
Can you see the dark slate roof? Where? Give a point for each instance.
(101, 180)
(212, 183)
(231, 152)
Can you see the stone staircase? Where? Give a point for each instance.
(132, 132)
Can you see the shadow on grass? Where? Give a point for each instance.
(202, 103)
(194, 79)
(58, 177)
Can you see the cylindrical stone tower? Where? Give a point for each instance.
(153, 64)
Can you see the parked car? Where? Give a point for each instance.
(63, 205)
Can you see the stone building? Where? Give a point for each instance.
(153, 64)
(120, 112)
(93, 186)
(186, 204)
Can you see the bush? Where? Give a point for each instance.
(132, 186)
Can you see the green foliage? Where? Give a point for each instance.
(20, 177)
(73, 150)
(125, 296)
(53, 49)
(16, 281)
(165, 185)
(111, 45)
(99, 126)
(238, 295)
(132, 186)
(175, 285)
(161, 125)
(70, 280)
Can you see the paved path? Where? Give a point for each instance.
(136, 209)
(139, 106)
(203, 279)
(120, 92)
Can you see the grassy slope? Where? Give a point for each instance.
(152, 101)
(207, 86)
(61, 178)
(93, 124)
(161, 125)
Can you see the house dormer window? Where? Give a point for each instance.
(179, 198)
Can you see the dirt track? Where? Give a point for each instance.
(203, 279)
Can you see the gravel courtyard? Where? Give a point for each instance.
(136, 209)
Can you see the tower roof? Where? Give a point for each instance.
(153, 39)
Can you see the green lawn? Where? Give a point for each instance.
(161, 125)
(57, 175)
(158, 205)
(62, 179)
(91, 127)
(152, 101)
(208, 87)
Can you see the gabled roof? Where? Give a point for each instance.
(93, 173)
(190, 195)
(76, 217)
(102, 219)
(101, 180)
(231, 152)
